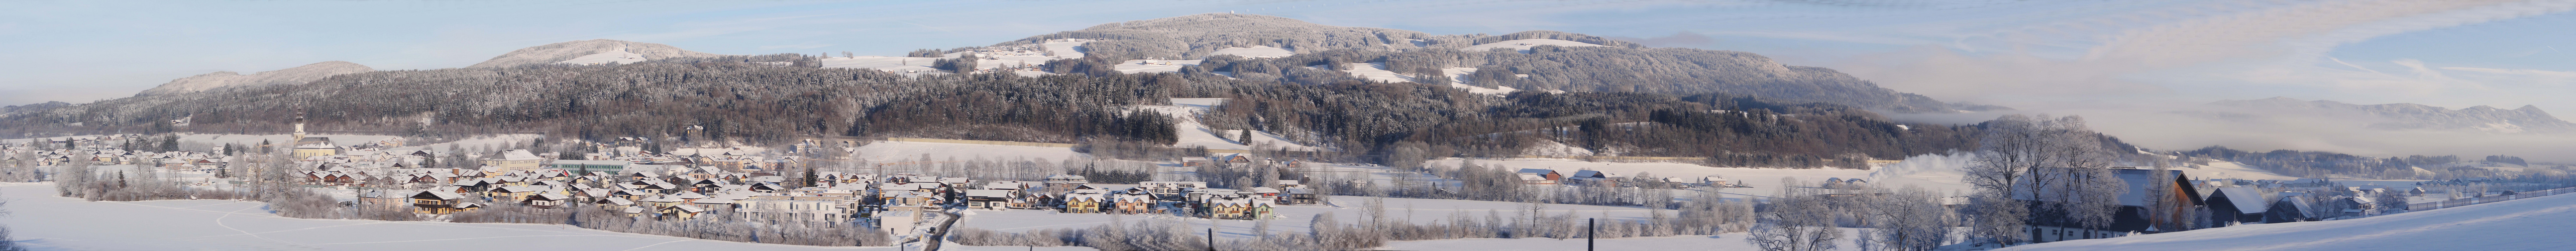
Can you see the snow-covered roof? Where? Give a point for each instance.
(2245, 199)
(988, 193)
(442, 195)
(519, 154)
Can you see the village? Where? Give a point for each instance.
(815, 183)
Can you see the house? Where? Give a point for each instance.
(681, 212)
(1085, 201)
(509, 193)
(436, 202)
(1065, 182)
(2291, 208)
(1301, 196)
(613, 203)
(515, 160)
(1170, 189)
(546, 200)
(1590, 177)
(1238, 208)
(807, 208)
(1196, 161)
(2133, 216)
(1540, 176)
(1133, 201)
(2236, 204)
(988, 199)
(1236, 159)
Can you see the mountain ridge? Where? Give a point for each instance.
(1614, 66)
(226, 79)
(2411, 116)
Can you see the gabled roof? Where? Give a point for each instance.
(988, 193)
(1536, 171)
(436, 194)
(2245, 199)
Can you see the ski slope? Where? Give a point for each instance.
(1185, 111)
(2526, 224)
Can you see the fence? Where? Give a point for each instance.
(2487, 199)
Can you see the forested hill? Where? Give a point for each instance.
(773, 99)
(1614, 66)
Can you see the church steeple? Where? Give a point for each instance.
(299, 127)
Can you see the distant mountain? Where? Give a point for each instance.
(595, 51)
(32, 107)
(226, 79)
(1532, 60)
(2405, 116)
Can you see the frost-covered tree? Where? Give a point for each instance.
(1800, 219)
(1911, 218)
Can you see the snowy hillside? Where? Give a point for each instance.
(2526, 224)
(588, 52)
(1193, 134)
(1000, 57)
(226, 79)
(621, 57)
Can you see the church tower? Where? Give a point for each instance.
(299, 127)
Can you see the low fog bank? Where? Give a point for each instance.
(2187, 126)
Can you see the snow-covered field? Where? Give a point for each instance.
(896, 151)
(1684, 242)
(1458, 78)
(2526, 224)
(1730, 241)
(1153, 66)
(1765, 181)
(1256, 51)
(1375, 71)
(1297, 218)
(42, 221)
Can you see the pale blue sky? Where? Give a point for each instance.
(2018, 53)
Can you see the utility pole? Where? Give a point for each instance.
(1211, 239)
(1588, 231)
